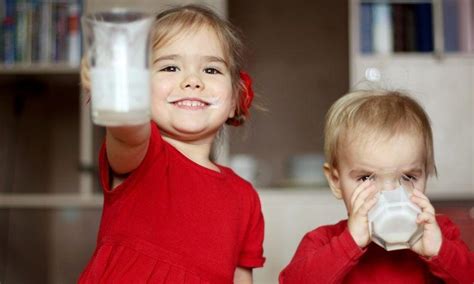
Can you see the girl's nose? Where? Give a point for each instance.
(192, 82)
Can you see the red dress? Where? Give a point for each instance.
(329, 254)
(174, 221)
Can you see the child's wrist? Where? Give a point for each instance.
(359, 241)
(437, 248)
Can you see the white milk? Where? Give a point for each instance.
(120, 96)
(396, 227)
(392, 221)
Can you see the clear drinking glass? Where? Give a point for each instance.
(392, 221)
(117, 50)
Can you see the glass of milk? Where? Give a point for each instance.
(117, 50)
(392, 221)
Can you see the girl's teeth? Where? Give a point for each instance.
(190, 103)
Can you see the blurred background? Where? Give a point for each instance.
(302, 56)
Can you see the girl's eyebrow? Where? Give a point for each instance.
(215, 59)
(206, 58)
(166, 57)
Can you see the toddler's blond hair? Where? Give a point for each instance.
(382, 113)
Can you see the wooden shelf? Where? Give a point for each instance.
(50, 201)
(38, 69)
(396, 1)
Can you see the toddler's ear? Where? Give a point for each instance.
(332, 175)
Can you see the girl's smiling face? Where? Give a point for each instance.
(192, 94)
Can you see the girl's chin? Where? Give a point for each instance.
(189, 126)
(192, 129)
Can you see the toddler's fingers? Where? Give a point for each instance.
(420, 194)
(361, 187)
(368, 193)
(425, 218)
(423, 202)
(367, 205)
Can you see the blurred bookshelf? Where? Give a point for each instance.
(40, 53)
(40, 36)
(404, 26)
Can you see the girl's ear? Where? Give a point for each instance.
(332, 175)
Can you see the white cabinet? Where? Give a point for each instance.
(289, 215)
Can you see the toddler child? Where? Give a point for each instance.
(367, 132)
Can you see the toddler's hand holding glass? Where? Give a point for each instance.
(362, 200)
(393, 220)
(430, 243)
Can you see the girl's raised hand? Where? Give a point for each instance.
(430, 244)
(363, 199)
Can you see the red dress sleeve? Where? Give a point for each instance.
(251, 254)
(326, 254)
(454, 263)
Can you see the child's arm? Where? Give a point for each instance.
(447, 256)
(243, 276)
(429, 245)
(126, 147)
(326, 257)
(362, 200)
(322, 257)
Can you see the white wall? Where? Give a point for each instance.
(289, 214)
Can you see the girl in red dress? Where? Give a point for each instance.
(170, 214)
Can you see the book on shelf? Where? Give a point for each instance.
(405, 32)
(413, 27)
(458, 25)
(365, 27)
(466, 25)
(35, 31)
(382, 29)
(74, 35)
(424, 25)
(46, 32)
(450, 25)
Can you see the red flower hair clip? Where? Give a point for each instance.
(245, 100)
